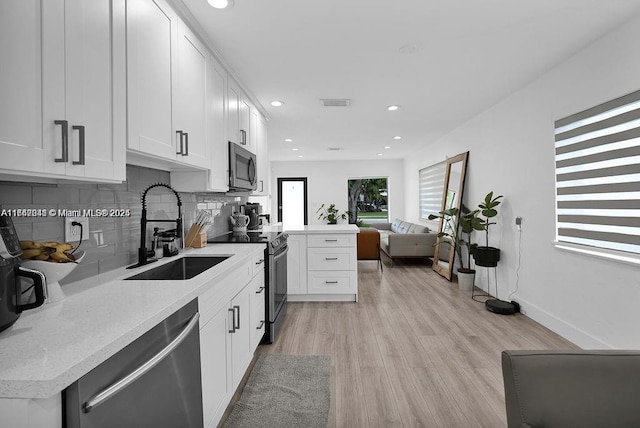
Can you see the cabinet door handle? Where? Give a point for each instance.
(259, 262)
(233, 320)
(331, 258)
(186, 144)
(64, 127)
(80, 129)
(237, 327)
(115, 388)
(179, 139)
(260, 326)
(262, 185)
(260, 290)
(331, 282)
(243, 137)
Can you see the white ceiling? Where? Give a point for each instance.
(471, 54)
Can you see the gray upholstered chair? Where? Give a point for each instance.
(572, 388)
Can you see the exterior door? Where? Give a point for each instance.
(292, 201)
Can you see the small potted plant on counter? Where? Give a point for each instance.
(487, 256)
(330, 214)
(461, 237)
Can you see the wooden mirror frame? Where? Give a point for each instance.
(443, 267)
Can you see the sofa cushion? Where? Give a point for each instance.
(404, 227)
(395, 225)
(417, 228)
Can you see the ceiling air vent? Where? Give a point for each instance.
(335, 102)
(334, 149)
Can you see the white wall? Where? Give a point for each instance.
(590, 301)
(327, 182)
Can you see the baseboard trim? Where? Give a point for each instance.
(568, 331)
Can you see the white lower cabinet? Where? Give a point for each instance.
(322, 267)
(297, 264)
(215, 357)
(230, 315)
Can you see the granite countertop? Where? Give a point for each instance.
(50, 347)
(318, 228)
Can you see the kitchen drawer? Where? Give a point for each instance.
(331, 258)
(332, 282)
(212, 300)
(331, 240)
(257, 262)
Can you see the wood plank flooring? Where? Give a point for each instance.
(413, 352)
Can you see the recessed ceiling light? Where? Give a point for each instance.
(288, 140)
(220, 4)
(277, 103)
(295, 149)
(410, 48)
(393, 108)
(397, 137)
(299, 156)
(387, 147)
(379, 154)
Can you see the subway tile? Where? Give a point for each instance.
(55, 195)
(48, 231)
(24, 231)
(14, 194)
(113, 262)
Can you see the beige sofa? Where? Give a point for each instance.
(404, 239)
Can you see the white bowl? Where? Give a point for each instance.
(54, 272)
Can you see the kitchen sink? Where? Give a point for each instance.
(183, 268)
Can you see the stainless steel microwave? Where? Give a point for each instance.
(242, 169)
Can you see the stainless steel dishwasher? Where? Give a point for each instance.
(153, 382)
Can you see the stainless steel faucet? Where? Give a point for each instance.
(143, 254)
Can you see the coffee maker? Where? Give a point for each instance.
(252, 210)
(10, 277)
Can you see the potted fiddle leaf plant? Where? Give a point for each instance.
(457, 228)
(485, 255)
(330, 214)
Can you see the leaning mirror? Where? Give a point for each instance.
(443, 258)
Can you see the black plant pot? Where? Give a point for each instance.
(486, 256)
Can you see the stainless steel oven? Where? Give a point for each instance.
(276, 285)
(242, 169)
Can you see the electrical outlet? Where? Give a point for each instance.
(72, 233)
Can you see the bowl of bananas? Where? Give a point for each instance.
(54, 259)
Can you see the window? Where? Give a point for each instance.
(431, 183)
(598, 176)
(368, 201)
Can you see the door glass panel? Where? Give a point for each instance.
(293, 203)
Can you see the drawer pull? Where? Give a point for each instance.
(330, 240)
(260, 326)
(260, 290)
(331, 282)
(331, 258)
(259, 262)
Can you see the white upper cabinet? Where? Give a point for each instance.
(167, 69)
(62, 87)
(217, 128)
(262, 155)
(190, 99)
(234, 101)
(151, 47)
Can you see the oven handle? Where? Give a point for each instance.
(136, 374)
(280, 253)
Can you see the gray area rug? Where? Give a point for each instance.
(284, 391)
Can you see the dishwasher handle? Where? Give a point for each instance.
(115, 388)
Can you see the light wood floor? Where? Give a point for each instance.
(413, 352)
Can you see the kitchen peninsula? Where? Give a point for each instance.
(322, 263)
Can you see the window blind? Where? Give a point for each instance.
(598, 176)
(431, 183)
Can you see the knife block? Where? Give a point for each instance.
(195, 237)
